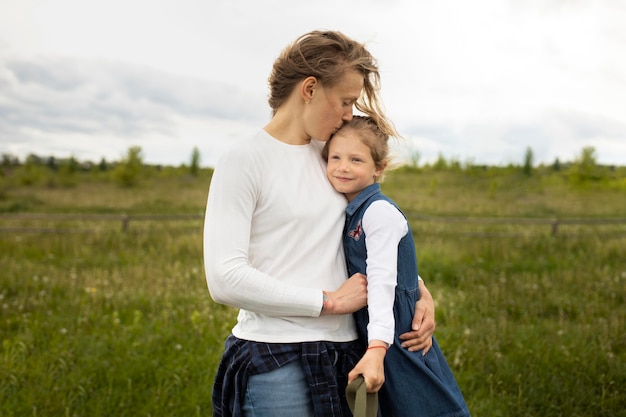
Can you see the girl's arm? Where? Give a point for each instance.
(371, 366)
(384, 227)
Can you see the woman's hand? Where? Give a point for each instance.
(350, 297)
(423, 323)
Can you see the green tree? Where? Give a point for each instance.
(52, 163)
(585, 166)
(34, 159)
(194, 167)
(528, 162)
(441, 163)
(103, 166)
(9, 161)
(126, 173)
(67, 171)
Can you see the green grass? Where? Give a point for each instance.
(533, 326)
(107, 323)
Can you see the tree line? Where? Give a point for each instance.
(128, 171)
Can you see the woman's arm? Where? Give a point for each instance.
(230, 278)
(231, 207)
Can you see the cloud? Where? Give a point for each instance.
(55, 101)
(556, 134)
(69, 95)
(472, 80)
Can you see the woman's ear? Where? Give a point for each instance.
(307, 88)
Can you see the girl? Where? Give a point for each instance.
(378, 242)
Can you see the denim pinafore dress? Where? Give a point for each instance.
(415, 384)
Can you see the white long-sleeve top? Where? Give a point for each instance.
(384, 227)
(272, 241)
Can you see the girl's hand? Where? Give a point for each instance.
(371, 366)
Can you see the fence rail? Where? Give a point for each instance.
(126, 219)
(553, 222)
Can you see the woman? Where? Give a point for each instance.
(272, 242)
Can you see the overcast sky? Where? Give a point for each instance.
(478, 81)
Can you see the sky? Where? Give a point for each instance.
(476, 81)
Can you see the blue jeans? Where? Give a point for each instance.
(283, 392)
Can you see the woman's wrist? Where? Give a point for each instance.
(325, 304)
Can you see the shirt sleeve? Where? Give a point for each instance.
(231, 279)
(384, 227)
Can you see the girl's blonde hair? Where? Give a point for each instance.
(326, 55)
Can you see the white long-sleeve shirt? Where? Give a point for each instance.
(384, 227)
(272, 241)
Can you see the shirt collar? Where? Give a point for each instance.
(362, 197)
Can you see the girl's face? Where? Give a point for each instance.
(330, 107)
(351, 167)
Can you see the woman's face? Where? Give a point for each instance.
(330, 107)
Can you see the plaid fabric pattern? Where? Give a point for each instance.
(326, 365)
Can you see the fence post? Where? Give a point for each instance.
(125, 221)
(555, 226)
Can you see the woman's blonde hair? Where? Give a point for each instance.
(326, 55)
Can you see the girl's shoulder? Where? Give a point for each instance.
(384, 211)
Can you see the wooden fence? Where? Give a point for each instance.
(60, 223)
(33, 219)
(553, 223)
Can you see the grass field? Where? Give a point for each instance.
(100, 322)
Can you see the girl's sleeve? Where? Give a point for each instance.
(384, 226)
(230, 278)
